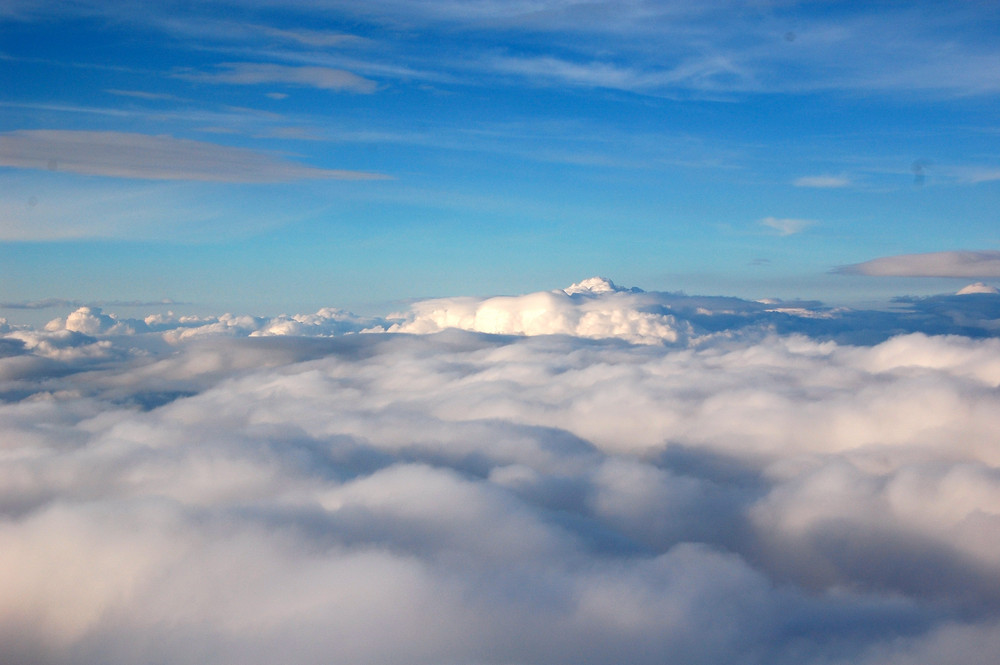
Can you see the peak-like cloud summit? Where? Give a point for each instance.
(598, 285)
(977, 287)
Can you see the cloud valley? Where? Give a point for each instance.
(586, 475)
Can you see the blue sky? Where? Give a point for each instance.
(264, 157)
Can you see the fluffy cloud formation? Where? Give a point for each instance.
(969, 264)
(289, 490)
(594, 308)
(128, 155)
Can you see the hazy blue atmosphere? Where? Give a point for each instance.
(274, 157)
(536, 332)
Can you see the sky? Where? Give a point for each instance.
(266, 157)
(499, 333)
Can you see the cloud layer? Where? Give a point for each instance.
(129, 155)
(290, 489)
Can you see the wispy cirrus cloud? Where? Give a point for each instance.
(716, 73)
(964, 264)
(823, 181)
(256, 73)
(147, 157)
(787, 226)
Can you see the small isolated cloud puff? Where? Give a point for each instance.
(147, 157)
(253, 73)
(786, 226)
(985, 263)
(823, 181)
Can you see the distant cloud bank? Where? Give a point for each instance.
(581, 476)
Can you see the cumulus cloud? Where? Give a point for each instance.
(574, 311)
(288, 489)
(970, 264)
(143, 156)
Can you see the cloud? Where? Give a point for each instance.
(142, 94)
(251, 73)
(977, 287)
(712, 49)
(128, 155)
(786, 226)
(823, 181)
(966, 264)
(712, 73)
(287, 489)
(594, 308)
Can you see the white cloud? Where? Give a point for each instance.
(977, 287)
(970, 264)
(254, 73)
(127, 155)
(575, 311)
(283, 489)
(786, 226)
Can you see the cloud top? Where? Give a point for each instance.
(594, 308)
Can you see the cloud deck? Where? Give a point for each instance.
(757, 486)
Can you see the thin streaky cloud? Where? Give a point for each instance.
(316, 38)
(709, 74)
(254, 73)
(823, 181)
(142, 156)
(142, 94)
(51, 303)
(964, 264)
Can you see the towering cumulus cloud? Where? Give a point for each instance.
(587, 475)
